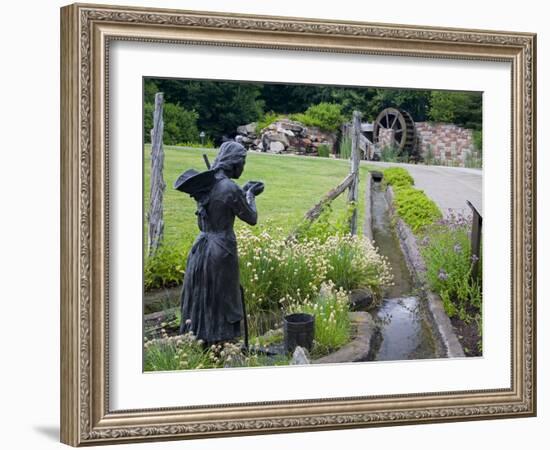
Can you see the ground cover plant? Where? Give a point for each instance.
(415, 207)
(412, 205)
(397, 177)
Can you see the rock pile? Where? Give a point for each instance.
(285, 136)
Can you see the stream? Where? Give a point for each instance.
(405, 331)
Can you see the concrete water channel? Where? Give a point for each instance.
(404, 329)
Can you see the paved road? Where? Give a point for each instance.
(449, 187)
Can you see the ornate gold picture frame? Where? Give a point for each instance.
(87, 32)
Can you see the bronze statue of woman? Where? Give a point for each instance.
(211, 303)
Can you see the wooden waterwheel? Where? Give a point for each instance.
(402, 134)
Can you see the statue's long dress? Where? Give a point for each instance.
(211, 296)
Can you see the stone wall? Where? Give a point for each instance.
(385, 137)
(449, 144)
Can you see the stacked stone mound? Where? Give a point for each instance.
(285, 136)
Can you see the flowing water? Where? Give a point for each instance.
(405, 331)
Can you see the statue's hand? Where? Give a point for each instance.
(256, 187)
(248, 185)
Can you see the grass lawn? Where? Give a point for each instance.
(293, 185)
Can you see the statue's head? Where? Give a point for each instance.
(231, 159)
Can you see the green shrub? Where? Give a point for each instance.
(397, 177)
(266, 120)
(415, 208)
(353, 262)
(447, 253)
(326, 225)
(345, 147)
(429, 158)
(477, 137)
(165, 267)
(323, 151)
(180, 125)
(473, 160)
(327, 116)
(390, 153)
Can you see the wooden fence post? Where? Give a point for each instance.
(156, 223)
(353, 194)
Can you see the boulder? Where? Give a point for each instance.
(248, 129)
(278, 137)
(295, 127)
(245, 140)
(276, 147)
(361, 299)
(285, 131)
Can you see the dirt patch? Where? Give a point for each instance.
(468, 336)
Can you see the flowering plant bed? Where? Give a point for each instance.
(281, 277)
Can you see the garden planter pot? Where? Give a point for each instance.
(299, 330)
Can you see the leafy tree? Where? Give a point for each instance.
(180, 125)
(150, 88)
(292, 98)
(461, 108)
(352, 99)
(296, 98)
(221, 105)
(416, 102)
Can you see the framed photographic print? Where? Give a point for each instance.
(284, 224)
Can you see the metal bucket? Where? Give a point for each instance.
(299, 330)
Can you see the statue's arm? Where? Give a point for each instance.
(245, 206)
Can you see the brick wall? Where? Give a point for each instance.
(450, 144)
